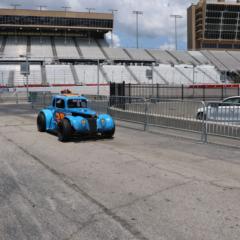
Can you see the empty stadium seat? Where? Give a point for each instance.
(90, 49)
(41, 48)
(15, 46)
(139, 54)
(59, 74)
(11, 76)
(162, 56)
(118, 74)
(183, 57)
(88, 74)
(116, 53)
(66, 49)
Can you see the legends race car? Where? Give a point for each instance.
(69, 116)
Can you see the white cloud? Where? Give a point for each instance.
(167, 46)
(116, 39)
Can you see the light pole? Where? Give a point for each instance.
(89, 11)
(41, 7)
(15, 5)
(175, 16)
(26, 71)
(137, 30)
(113, 11)
(65, 9)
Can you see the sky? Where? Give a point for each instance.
(156, 27)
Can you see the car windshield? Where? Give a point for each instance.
(77, 103)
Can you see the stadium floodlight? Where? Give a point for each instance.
(15, 5)
(42, 7)
(113, 11)
(137, 28)
(90, 9)
(175, 16)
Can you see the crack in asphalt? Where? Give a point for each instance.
(70, 183)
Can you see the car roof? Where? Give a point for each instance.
(231, 97)
(70, 96)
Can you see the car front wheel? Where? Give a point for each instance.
(109, 134)
(65, 130)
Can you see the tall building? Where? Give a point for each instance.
(214, 24)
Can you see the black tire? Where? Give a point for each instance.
(41, 122)
(65, 130)
(201, 116)
(109, 134)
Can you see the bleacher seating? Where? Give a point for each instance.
(59, 74)
(210, 74)
(139, 54)
(162, 56)
(90, 49)
(236, 55)
(88, 74)
(226, 59)
(140, 73)
(11, 76)
(116, 53)
(175, 67)
(41, 48)
(199, 56)
(66, 49)
(183, 57)
(15, 46)
(118, 74)
(214, 61)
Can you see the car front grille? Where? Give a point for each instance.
(92, 125)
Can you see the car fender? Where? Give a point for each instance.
(48, 116)
(76, 123)
(108, 124)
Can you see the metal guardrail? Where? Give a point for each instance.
(174, 114)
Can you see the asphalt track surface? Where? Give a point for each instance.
(136, 186)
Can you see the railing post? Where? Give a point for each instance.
(222, 93)
(204, 134)
(182, 92)
(204, 93)
(146, 115)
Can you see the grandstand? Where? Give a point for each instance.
(71, 50)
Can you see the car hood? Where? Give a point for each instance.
(83, 111)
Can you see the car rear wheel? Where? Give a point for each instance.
(65, 130)
(41, 122)
(109, 134)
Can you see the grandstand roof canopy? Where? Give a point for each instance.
(48, 13)
(24, 21)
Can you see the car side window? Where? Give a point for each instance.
(53, 102)
(232, 101)
(60, 103)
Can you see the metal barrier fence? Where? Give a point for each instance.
(198, 92)
(194, 116)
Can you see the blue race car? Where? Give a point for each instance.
(68, 115)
